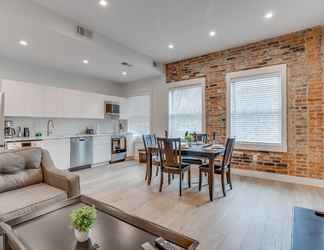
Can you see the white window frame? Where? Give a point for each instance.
(272, 147)
(187, 83)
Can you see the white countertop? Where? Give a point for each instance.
(55, 137)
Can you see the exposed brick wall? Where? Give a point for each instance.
(301, 51)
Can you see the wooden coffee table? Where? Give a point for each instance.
(49, 228)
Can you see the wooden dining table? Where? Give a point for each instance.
(200, 151)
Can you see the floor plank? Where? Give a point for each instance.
(255, 215)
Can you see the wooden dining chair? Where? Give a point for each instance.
(150, 140)
(203, 138)
(10, 240)
(171, 161)
(224, 168)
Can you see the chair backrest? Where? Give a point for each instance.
(10, 238)
(149, 140)
(201, 138)
(170, 152)
(229, 148)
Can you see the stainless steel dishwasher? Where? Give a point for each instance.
(81, 152)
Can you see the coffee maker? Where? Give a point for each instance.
(9, 129)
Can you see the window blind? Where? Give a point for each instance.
(256, 109)
(185, 110)
(139, 114)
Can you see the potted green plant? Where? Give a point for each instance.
(188, 138)
(82, 220)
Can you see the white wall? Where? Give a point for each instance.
(157, 88)
(14, 70)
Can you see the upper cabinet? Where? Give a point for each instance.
(34, 100)
(53, 102)
(23, 99)
(72, 101)
(93, 105)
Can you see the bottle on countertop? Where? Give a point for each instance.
(19, 132)
(26, 132)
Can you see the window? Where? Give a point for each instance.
(185, 110)
(256, 114)
(139, 114)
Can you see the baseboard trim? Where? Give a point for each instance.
(279, 177)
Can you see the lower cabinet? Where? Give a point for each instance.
(101, 149)
(59, 150)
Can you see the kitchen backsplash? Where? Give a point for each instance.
(65, 126)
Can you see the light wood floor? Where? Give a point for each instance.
(255, 215)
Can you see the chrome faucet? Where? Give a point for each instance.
(50, 126)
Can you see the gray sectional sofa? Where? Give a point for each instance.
(29, 180)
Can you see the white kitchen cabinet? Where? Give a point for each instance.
(35, 100)
(12, 99)
(53, 103)
(113, 99)
(59, 150)
(92, 106)
(72, 101)
(101, 149)
(78, 104)
(23, 99)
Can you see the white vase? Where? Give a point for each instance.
(81, 236)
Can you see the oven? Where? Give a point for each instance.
(118, 148)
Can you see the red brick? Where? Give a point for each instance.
(302, 52)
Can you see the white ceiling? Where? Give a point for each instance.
(146, 27)
(53, 42)
(149, 25)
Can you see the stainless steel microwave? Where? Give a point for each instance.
(112, 109)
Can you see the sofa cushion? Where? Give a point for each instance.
(20, 179)
(32, 156)
(21, 201)
(11, 163)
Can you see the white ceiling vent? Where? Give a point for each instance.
(126, 64)
(82, 31)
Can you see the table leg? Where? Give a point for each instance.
(149, 167)
(211, 179)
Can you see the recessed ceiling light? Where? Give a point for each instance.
(23, 43)
(103, 3)
(212, 33)
(171, 46)
(85, 61)
(124, 73)
(269, 15)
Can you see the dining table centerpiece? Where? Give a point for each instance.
(82, 220)
(188, 138)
